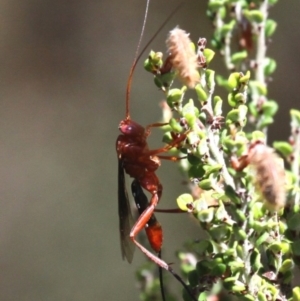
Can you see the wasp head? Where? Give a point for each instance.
(130, 128)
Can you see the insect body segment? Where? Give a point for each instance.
(153, 228)
(269, 173)
(140, 163)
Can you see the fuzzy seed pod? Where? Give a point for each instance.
(270, 175)
(182, 57)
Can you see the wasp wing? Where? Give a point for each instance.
(125, 216)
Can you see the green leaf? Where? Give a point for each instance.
(202, 246)
(254, 15)
(231, 252)
(283, 147)
(175, 97)
(269, 66)
(167, 137)
(237, 115)
(193, 278)
(270, 108)
(248, 297)
(270, 27)
(210, 79)
(288, 277)
(163, 81)
(239, 287)
(240, 251)
(236, 266)
(209, 55)
(215, 4)
(154, 62)
(231, 193)
(296, 293)
(295, 116)
(259, 226)
(226, 28)
(239, 215)
(203, 296)
(259, 87)
(218, 270)
(221, 81)
(261, 296)
(233, 80)
(206, 216)
(245, 78)
(231, 99)
(240, 98)
(262, 239)
(206, 184)
(265, 121)
(203, 267)
(210, 169)
(282, 228)
(187, 262)
(255, 260)
(193, 139)
(294, 222)
(221, 213)
(183, 200)
(190, 113)
(220, 233)
(202, 148)
(240, 234)
(193, 160)
(283, 247)
(296, 247)
(286, 266)
(229, 282)
(175, 125)
(201, 93)
(258, 210)
(258, 135)
(196, 171)
(233, 115)
(218, 103)
(239, 56)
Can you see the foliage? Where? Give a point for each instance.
(247, 207)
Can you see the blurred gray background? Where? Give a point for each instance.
(64, 67)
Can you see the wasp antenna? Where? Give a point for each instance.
(137, 57)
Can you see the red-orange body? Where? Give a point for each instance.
(153, 227)
(140, 163)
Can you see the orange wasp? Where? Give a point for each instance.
(136, 159)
